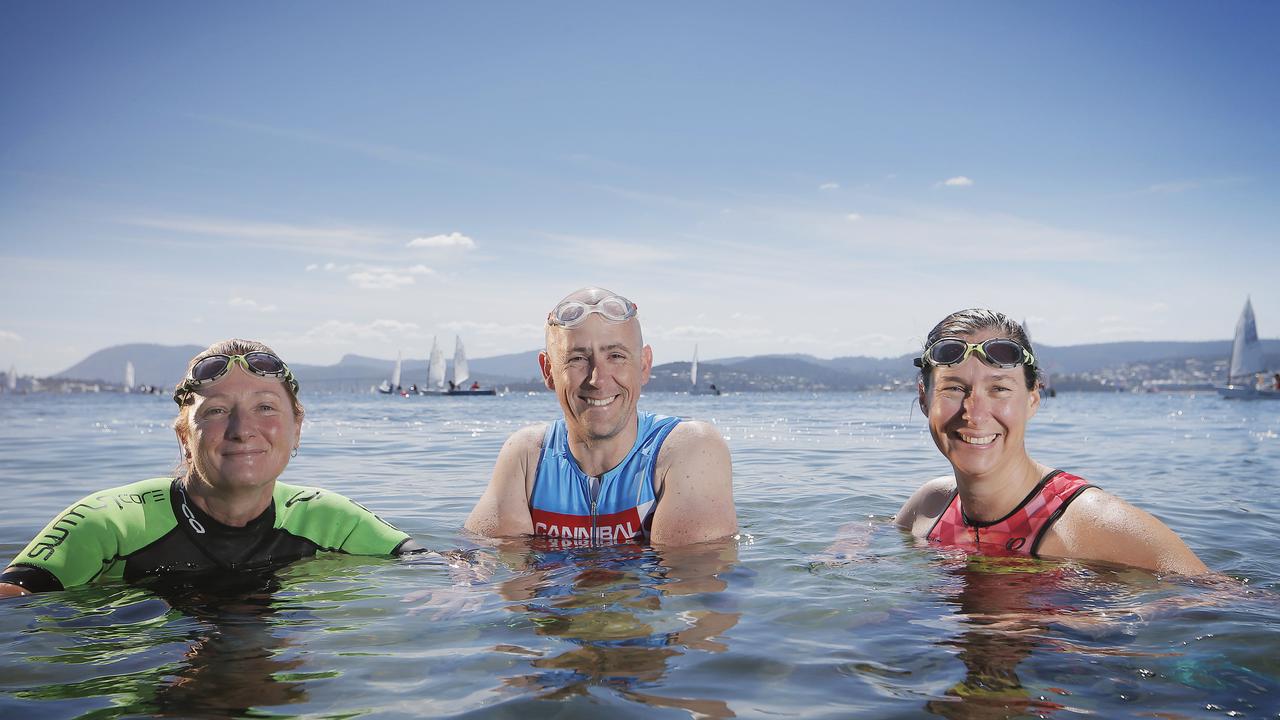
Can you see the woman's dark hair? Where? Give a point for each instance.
(966, 323)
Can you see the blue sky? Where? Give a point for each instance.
(829, 178)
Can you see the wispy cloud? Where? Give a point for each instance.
(452, 240)
(957, 181)
(343, 333)
(853, 217)
(1181, 186)
(374, 277)
(6, 336)
(341, 240)
(246, 303)
(829, 186)
(613, 251)
(522, 331)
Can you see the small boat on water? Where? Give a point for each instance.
(462, 373)
(392, 386)
(1247, 362)
(128, 376)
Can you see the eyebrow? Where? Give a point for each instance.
(587, 350)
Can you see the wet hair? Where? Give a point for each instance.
(234, 346)
(966, 323)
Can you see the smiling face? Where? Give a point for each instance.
(596, 370)
(978, 416)
(242, 429)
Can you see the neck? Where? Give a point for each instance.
(597, 456)
(991, 496)
(232, 509)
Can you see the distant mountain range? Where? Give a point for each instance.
(162, 365)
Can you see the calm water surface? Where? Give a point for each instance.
(770, 625)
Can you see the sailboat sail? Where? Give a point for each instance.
(460, 370)
(12, 380)
(128, 375)
(1246, 351)
(435, 368)
(693, 368)
(395, 373)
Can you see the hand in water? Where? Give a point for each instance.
(466, 568)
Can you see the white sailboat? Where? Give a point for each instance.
(435, 368)
(1247, 361)
(693, 369)
(462, 373)
(392, 386)
(128, 376)
(11, 380)
(693, 378)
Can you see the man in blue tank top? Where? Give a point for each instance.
(606, 473)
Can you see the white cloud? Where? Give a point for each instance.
(957, 181)
(613, 252)
(829, 186)
(343, 333)
(452, 240)
(276, 235)
(853, 217)
(379, 279)
(375, 277)
(6, 336)
(522, 331)
(239, 302)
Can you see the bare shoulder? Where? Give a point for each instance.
(925, 504)
(692, 437)
(694, 480)
(1101, 526)
(526, 440)
(503, 508)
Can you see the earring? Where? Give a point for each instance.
(294, 454)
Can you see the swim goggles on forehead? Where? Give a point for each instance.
(572, 313)
(213, 367)
(997, 352)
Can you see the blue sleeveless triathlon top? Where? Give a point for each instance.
(561, 504)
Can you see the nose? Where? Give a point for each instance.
(594, 373)
(238, 425)
(975, 407)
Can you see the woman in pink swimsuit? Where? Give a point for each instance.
(979, 386)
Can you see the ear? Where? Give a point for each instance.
(647, 358)
(544, 364)
(924, 404)
(1033, 402)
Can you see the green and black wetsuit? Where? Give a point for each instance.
(151, 528)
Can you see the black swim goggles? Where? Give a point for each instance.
(997, 352)
(212, 368)
(572, 313)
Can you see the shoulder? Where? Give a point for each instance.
(527, 439)
(692, 437)
(928, 501)
(333, 521)
(1101, 526)
(135, 502)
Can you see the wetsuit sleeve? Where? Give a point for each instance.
(336, 523)
(74, 548)
(31, 579)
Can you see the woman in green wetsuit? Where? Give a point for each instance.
(239, 421)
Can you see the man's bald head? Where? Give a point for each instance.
(590, 295)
